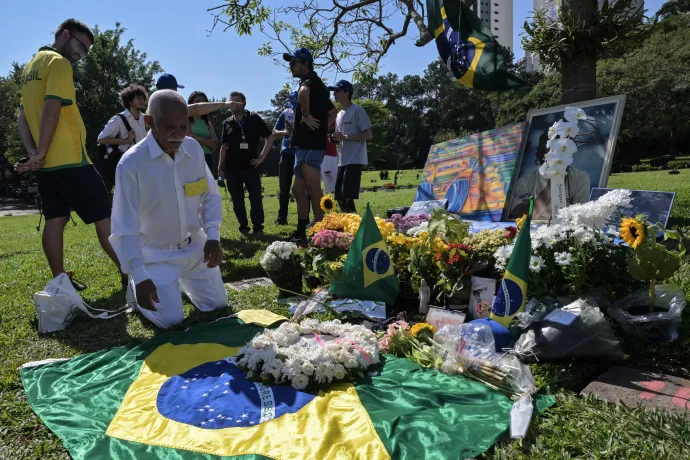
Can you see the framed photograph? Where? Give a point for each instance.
(440, 317)
(592, 162)
(482, 298)
(655, 205)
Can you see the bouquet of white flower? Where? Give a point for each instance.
(278, 254)
(281, 262)
(309, 354)
(576, 254)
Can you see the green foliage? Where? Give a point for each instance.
(676, 164)
(10, 93)
(111, 65)
(379, 115)
(656, 81)
(652, 261)
(447, 227)
(615, 27)
(645, 167)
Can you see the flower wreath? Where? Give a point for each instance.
(309, 354)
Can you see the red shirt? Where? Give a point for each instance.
(331, 148)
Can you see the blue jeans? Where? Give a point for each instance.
(237, 179)
(313, 158)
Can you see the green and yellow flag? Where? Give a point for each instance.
(180, 396)
(468, 47)
(512, 294)
(368, 273)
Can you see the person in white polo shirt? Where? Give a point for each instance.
(122, 131)
(352, 131)
(166, 218)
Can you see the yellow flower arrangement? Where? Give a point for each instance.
(399, 239)
(633, 232)
(327, 203)
(349, 223)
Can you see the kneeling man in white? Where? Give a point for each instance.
(166, 218)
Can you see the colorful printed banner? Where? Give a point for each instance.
(473, 173)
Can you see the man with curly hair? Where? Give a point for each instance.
(122, 131)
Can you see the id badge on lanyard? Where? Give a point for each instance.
(244, 145)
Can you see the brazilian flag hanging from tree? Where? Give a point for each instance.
(368, 273)
(468, 47)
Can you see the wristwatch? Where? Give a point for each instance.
(347, 137)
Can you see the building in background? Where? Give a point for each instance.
(498, 16)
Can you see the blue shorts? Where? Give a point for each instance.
(313, 158)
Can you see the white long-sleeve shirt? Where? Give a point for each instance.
(116, 128)
(160, 202)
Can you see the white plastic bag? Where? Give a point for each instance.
(57, 305)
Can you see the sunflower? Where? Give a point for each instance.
(633, 232)
(422, 328)
(327, 203)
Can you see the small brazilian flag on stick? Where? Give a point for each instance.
(468, 47)
(512, 295)
(368, 273)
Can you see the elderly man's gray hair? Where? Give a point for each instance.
(166, 100)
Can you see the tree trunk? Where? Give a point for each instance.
(579, 72)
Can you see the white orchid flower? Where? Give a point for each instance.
(561, 159)
(566, 129)
(575, 114)
(551, 171)
(552, 132)
(563, 146)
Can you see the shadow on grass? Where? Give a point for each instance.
(238, 261)
(88, 335)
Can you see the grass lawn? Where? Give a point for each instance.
(575, 428)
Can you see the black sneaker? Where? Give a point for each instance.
(280, 221)
(244, 231)
(259, 232)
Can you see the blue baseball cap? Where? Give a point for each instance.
(293, 99)
(167, 81)
(302, 54)
(342, 85)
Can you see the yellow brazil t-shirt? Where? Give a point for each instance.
(49, 76)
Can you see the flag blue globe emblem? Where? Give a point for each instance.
(508, 300)
(377, 260)
(217, 395)
(455, 52)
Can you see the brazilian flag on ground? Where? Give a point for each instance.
(468, 47)
(180, 396)
(512, 294)
(369, 273)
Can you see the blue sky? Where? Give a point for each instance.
(174, 32)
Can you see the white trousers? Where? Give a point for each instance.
(329, 173)
(203, 286)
